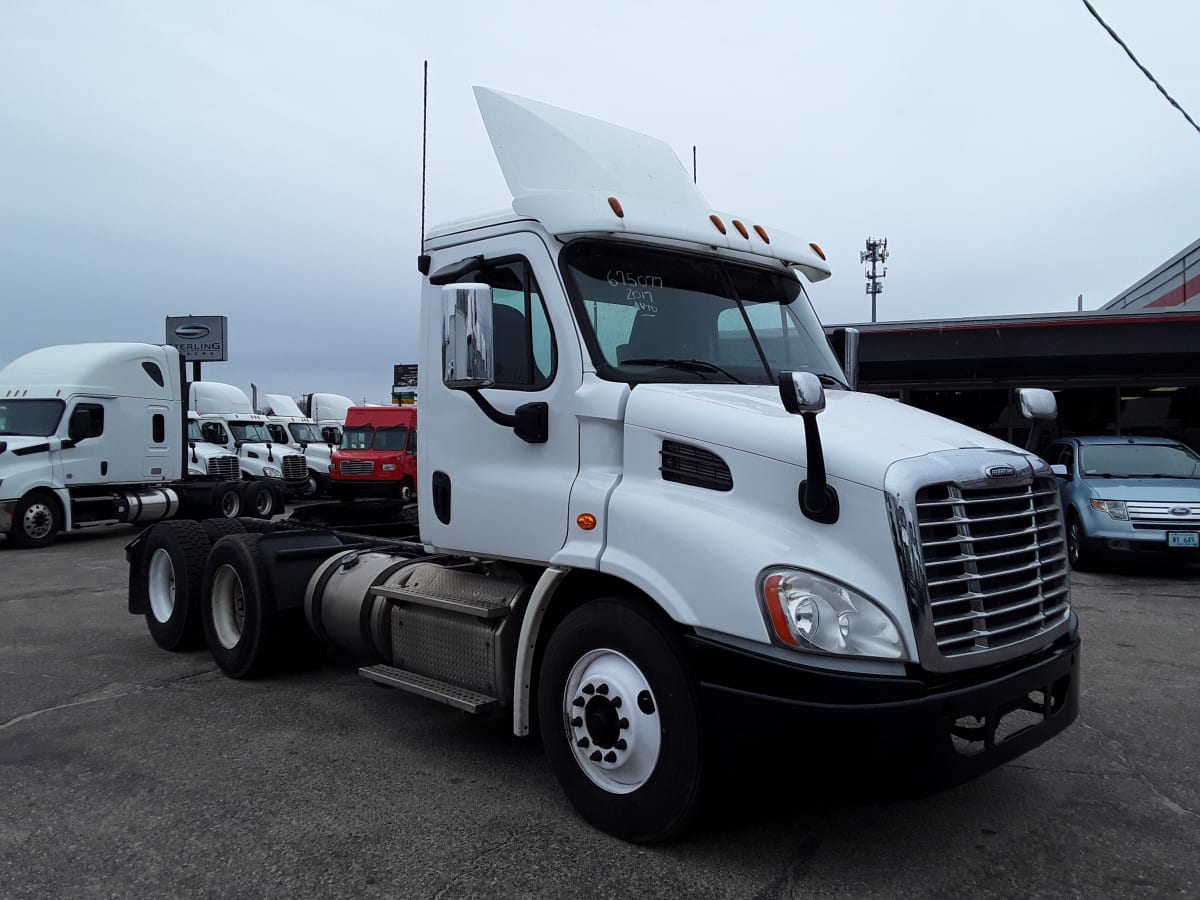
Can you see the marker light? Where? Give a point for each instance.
(808, 612)
(586, 521)
(762, 233)
(741, 229)
(816, 248)
(716, 220)
(616, 207)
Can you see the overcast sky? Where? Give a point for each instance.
(261, 160)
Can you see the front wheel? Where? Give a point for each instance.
(37, 520)
(620, 720)
(1077, 551)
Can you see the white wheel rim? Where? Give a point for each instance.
(311, 491)
(265, 502)
(38, 521)
(228, 606)
(160, 583)
(231, 505)
(612, 721)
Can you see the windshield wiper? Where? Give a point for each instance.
(691, 365)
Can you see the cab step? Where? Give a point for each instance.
(424, 686)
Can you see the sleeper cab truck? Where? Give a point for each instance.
(654, 512)
(378, 454)
(97, 434)
(329, 412)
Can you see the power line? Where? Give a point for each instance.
(1162, 90)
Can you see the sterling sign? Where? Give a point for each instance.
(198, 338)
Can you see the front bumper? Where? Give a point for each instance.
(913, 734)
(1106, 535)
(363, 488)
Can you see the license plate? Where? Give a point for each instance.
(1183, 539)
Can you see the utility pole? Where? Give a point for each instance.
(876, 254)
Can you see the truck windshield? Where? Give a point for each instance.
(304, 433)
(391, 438)
(357, 437)
(250, 432)
(652, 314)
(1138, 461)
(36, 418)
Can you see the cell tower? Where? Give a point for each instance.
(876, 254)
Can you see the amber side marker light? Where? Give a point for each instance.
(762, 233)
(816, 248)
(616, 207)
(586, 521)
(741, 229)
(777, 612)
(717, 223)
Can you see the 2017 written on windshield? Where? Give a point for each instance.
(638, 288)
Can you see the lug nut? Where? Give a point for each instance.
(596, 756)
(576, 722)
(588, 689)
(620, 745)
(610, 756)
(578, 701)
(585, 743)
(624, 723)
(616, 702)
(602, 689)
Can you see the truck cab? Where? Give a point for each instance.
(226, 420)
(291, 428)
(377, 457)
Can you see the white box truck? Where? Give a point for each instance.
(97, 434)
(653, 510)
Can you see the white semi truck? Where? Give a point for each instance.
(653, 510)
(97, 434)
(329, 412)
(291, 428)
(228, 420)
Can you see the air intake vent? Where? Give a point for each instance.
(685, 464)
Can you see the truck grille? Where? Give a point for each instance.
(294, 468)
(356, 467)
(224, 467)
(995, 566)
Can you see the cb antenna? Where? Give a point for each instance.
(423, 259)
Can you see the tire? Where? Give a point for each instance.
(215, 529)
(1077, 552)
(259, 500)
(312, 488)
(407, 491)
(171, 572)
(37, 520)
(237, 607)
(619, 719)
(227, 500)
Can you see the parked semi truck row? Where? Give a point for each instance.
(98, 434)
(652, 508)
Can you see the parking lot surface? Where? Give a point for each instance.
(126, 771)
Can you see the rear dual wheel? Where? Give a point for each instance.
(172, 566)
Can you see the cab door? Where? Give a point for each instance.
(497, 494)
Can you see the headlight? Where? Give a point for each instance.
(809, 612)
(272, 472)
(1115, 508)
(388, 467)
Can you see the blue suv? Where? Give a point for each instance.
(1128, 495)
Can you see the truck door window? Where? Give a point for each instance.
(214, 433)
(95, 417)
(412, 441)
(278, 435)
(521, 334)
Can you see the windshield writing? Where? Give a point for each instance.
(656, 314)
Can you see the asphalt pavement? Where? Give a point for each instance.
(127, 771)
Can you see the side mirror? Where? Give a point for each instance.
(80, 425)
(845, 348)
(1038, 404)
(1060, 470)
(468, 358)
(801, 392)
